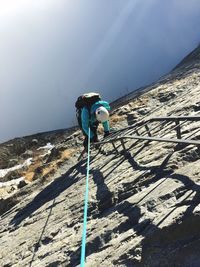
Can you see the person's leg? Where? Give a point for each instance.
(85, 142)
(94, 130)
(78, 116)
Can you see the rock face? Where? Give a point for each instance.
(143, 204)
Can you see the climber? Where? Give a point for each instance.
(90, 111)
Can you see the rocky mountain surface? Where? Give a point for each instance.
(143, 202)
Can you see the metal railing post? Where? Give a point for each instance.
(147, 129)
(178, 129)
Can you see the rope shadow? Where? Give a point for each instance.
(38, 244)
(133, 212)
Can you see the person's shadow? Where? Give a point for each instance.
(132, 212)
(103, 194)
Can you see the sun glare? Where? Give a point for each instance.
(12, 8)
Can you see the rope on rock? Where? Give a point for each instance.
(83, 246)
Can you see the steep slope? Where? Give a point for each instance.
(190, 60)
(143, 205)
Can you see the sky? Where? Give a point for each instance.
(51, 51)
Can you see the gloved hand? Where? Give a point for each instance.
(106, 134)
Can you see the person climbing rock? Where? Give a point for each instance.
(90, 111)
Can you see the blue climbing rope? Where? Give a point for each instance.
(85, 206)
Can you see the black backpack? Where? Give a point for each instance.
(85, 100)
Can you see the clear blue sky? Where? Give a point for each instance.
(53, 50)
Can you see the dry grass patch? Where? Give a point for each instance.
(116, 118)
(30, 173)
(140, 102)
(29, 176)
(38, 168)
(52, 167)
(34, 166)
(67, 153)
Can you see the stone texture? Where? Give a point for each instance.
(143, 205)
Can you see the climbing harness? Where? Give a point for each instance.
(83, 246)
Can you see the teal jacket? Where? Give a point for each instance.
(89, 119)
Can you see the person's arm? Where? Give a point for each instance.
(85, 122)
(106, 126)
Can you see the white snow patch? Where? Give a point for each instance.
(48, 146)
(12, 182)
(45, 154)
(26, 163)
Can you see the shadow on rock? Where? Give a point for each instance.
(49, 193)
(103, 195)
(166, 246)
